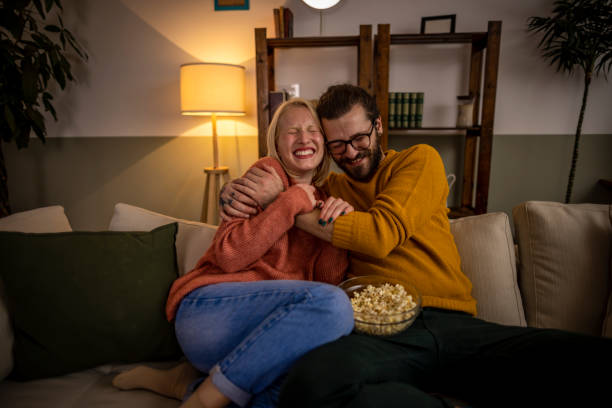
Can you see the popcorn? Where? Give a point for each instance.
(383, 309)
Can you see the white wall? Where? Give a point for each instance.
(130, 84)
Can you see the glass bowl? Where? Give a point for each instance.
(381, 324)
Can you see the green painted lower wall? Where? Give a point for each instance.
(88, 175)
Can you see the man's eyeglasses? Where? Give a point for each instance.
(360, 141)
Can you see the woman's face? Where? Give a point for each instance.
(300, 143)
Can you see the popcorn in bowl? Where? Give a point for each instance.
(382, 306)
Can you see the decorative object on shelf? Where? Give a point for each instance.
(212, 89)
(578, 36)
(321, 5)
(465, 111)
(221, 5)
(438, 24)
(34, 62)
(283, 22)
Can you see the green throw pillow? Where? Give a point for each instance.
(82, 299)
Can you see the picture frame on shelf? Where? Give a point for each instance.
(221, 5)
(438, 24)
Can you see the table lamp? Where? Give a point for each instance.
(212, 89)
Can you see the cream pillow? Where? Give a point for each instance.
(46, 219)
(192, 240)
(564, 264)
(487, 256)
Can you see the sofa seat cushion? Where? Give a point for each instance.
(84, 389)
(46, 219)
(487, 256)
(192, 240)
(564, 274)
(81, 299)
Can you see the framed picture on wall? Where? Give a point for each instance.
(438, 24)
(231, 5)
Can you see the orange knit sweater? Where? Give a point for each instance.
(264, 247)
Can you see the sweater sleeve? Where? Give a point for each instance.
(240, 242)
(415, 189)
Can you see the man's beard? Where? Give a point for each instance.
(374, 153)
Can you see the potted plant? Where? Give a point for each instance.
(33, 57)
(577, 37)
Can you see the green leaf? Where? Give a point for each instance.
(52, 28)
(48, 5)
(47, 97)
(10, 119)
(39, 7)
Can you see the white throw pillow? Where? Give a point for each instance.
(487, 256)
(46, 219)
(192, 240)
(564, 264)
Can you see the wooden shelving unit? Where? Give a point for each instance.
(264, 60)
(482, 84)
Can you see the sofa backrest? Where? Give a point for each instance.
(192, 240)
(486, 249)
(564, 268)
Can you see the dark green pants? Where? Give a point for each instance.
(448, 356)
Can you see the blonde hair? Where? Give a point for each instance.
(322, 169)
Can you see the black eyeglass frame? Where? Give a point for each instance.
(350, 142)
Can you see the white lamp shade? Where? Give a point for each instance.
(321, 4)
(211, 88)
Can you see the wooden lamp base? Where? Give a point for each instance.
(210, 209)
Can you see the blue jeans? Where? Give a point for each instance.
(246, 335)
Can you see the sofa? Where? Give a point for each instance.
(555, 273)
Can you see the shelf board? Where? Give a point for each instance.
(430, 129)
(296, 42)
(453, 38)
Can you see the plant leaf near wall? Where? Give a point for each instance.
(578, 36)
(34, 45)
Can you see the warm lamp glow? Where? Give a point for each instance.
(211, 88)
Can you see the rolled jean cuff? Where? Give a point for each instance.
(228, 388)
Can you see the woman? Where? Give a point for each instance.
(249, 309)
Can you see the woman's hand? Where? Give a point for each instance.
(310, 190)
(333, 208)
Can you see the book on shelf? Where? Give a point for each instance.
(283, 22)
(405, 98)
(412, 110)
(275, 99)
(277, 30)
(392, 109)
(420, 98)
(288, 20)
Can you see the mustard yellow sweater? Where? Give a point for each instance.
(400, 227)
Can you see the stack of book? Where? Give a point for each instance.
(406, 110)
(283, 22)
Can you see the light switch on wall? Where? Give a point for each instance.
(292, 90)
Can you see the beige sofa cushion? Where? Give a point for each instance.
(192, 240)
(487, 257)
(564, 273)
(84, 389)
(46, 219)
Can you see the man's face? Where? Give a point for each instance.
(358, 164)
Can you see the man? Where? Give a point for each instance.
(400, 229)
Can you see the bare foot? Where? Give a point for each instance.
(171, 383)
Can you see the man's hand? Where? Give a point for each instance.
(258, 187)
